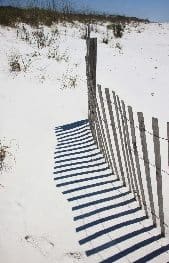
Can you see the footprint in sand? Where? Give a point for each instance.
(43, 244)
(73, 257)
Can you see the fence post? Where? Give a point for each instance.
(91, 61)
(158, 172)
(134, 142)
(115, 134)
(113, 166)
(146, 164)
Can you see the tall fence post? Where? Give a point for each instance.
(158, 172)
(146, 164)
(91, 61)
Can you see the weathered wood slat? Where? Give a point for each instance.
(126, 148)
(134, 143)
(117, 109)
(106, 152)
(158, 172)
(103, 148)
(115, 134)
(113, 161)
(130, 153)
(100, 140)
(146, 164)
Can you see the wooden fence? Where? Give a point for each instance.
(114, 132)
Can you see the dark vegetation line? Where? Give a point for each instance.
(10, 16)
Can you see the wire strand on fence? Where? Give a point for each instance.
(150, 133)
(151, 164)
(147, 131)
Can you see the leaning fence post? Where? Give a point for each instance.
(115, 134)
(130, 152)
(117, 109)
(99, 135)
(106, 150)
(146, 164)
(158, 172)
(126, 145)
(134, 142)
(114, 167)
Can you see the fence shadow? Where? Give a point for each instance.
(107, 218)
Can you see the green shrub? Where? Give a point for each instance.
(105, 40)
(14, 63)
(118, 29)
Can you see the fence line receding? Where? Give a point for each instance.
(114, 131)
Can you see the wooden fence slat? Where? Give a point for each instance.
(98, 145)
(117, 109)
(100, 132)
(168, 140)
(130, 152)
(106, 155)
(134, 142)
(108, 159)
(146, 164)
(100, 141)
(114, 167)
(158, 172)
(126, 148)
(115, 134)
